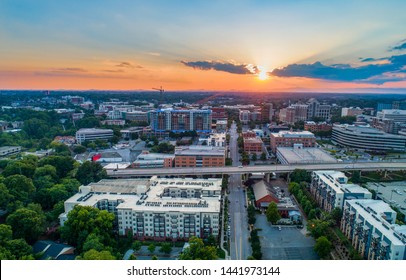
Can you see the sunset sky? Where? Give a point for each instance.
(319, 46)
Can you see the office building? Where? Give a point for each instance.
(199, 156)
(370, 226)
(91, 134)
(158, 209)
(315, 109)
(367, 138)
(330, 189)
(289, 138)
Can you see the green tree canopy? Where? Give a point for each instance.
(93, 254)
(300, 175)
(272, 214)
(90, 172)
(85, 220)
(197, 251)
(27, 224)
(317, 227)
(20, 187)
(63, 164)
(323, 247)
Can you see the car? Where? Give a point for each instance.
(279, 228)
(299, 226)
(240, 166)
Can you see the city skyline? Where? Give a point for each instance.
(260, 46)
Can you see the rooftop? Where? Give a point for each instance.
(200, 150)
(293, 134)
(94, 130)
(365, 130)
(305, 155)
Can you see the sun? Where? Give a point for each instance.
(262, 75)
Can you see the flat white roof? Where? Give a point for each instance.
(305, 155)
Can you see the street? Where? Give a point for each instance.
(240, 248)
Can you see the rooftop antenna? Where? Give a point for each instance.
(161, 93)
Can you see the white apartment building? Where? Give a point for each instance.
(156, 208)
(330, 189)
(91, 134)
(369, 224)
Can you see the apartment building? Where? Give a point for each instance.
(147, 160)
(180, 120)
(9, 150)
(156, 209)
(370, 226)
(330, 189)
(253, 145)
(316, 127)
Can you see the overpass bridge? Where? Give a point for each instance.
(277, 168)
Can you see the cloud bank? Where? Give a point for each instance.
(228, 67)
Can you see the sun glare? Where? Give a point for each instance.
(262, 75)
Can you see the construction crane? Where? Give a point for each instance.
(161, 93)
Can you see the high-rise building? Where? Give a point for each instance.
(318, 110)
(267, 112)
(351, 111)
(180, 120)
(287, 115)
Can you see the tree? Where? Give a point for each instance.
(151, 248)
(136, 245)
(300, 175)
(27, 224)
(317, 228)
(19, 167)
(85, 220)
(254, 157)
(60, 148)
(263, 156)
(197, 251)
(93, 254)
(79, 149)
(35, 128)
(6, 234)
(272, 214)
(92, 242)
(154, 258)
(19, 248)
(89, 172)
(356, 177)
(63, 164)
(166, 248)
(20, 187)
(5, 196)
(322, 247)
(46, 170)
(336, 215)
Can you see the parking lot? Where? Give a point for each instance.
(393, 193)
(288, 243)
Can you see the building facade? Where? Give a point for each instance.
(180, 120)
(200, 156)
(157, 209)
(369, 225)
(91, 134)
(367, 138)
(330, 189)
(289, 138)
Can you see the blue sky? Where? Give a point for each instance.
(160, 40)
